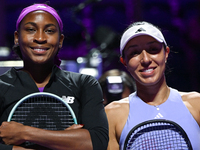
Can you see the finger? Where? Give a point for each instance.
(75, 126)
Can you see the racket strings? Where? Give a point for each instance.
(156, 136)
(43, 112)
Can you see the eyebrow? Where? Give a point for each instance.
(34, 24)
(153, 42)
(132, 46)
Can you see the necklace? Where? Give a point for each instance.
(157, 107)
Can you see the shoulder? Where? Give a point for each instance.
(76, 77)
(8, 77)
(7, 80)
(117, 110)
(8, 74)
(191, 101)
(190, 96)
(117, 105)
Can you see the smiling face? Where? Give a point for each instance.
(145, 58)
(39, 38)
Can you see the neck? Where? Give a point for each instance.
(154, 94)
(39, 73)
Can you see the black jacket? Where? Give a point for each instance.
(87, 105)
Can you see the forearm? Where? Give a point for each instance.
(77, 139)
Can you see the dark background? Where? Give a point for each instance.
(97, 27)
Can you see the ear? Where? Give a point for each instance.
(16, 38)
(123, 61)
(61, 40)
(167, 53)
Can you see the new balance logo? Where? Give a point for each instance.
(158, 116)
(68, 99)
(140, 30)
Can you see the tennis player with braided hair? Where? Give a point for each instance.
(144, 53)
(38, 39)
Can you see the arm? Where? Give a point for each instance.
(16, 133)
(113, 143)
(93, 113)
(117, 114)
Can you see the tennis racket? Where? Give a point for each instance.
(43, 110)
(157, 134)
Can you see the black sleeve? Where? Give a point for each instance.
(3, 116)
(5, 147)
(93, 113)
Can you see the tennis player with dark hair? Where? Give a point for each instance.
(144, 53)
(38, 39)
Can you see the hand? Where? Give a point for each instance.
(11, 133)
(75, 126)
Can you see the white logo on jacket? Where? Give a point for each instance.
(68, 99)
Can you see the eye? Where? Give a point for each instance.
(133, 53)
(30, 30)
(154, 48)
(50, 30)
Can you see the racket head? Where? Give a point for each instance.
(157, 134)
(43, 110)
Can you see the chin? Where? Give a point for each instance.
(148, 82)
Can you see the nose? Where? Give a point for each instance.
(145, 58)
(40, 37)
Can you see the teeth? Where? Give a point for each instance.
(148, 70)
(39, 49)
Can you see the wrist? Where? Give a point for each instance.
(26, 133)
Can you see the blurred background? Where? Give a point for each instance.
(93, 28)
